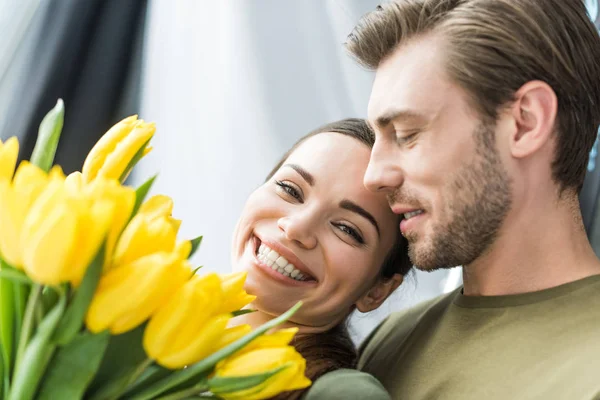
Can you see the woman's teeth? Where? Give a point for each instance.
(411, 214)
(279, 263)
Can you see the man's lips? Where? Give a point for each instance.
(414, 218)
(401, 210)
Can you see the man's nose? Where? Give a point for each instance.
(384, 173)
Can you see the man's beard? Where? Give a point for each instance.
(477, 199)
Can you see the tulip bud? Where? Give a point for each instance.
(113, 153)
(188, 327)
(129, 294)
(62, 232)
(259, 361)
(151, 230)
(235, 295)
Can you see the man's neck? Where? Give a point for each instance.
(539, 247)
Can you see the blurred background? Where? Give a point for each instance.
(231, 84)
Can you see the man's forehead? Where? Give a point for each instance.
(411, 79)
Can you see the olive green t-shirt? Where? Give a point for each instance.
(540, 345)
(346, 384)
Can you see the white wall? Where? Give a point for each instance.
(232, 84)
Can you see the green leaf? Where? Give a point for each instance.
(209, 362)
(21, 293)
(136, 158)
(195, 245)
(73, 367)
(49, 298)
(72, 321)
(197, 269)
(194, 390)
(152, 374)
(230, 384)
(242, 312)
(123, 356)
(38, 353)
(7, 320)
(48, 137)
(13, 274)
(28, 322)
(141, 193)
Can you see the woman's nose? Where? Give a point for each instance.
(298, 229)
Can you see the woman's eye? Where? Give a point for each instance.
(290, 190)
(351, 232)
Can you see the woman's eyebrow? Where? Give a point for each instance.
(351, 206)
(303, 173)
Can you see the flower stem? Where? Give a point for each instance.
(186, 393)
(113, 390)
(138, 372)
(28, 320)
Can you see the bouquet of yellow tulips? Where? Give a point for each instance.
(97, 297)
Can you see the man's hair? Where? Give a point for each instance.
(493, 47)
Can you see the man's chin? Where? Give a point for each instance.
(424, 257)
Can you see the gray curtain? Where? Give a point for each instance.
(89, 54)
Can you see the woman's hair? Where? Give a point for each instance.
(334, 349)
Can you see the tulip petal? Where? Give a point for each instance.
(15, 200)
(92, 226)
(124, 199)
(116, 162)
(9, 151)
(278, 338)
(202, 345)
(177, 324)
(12, 215)
(260, 361)
(144, 236)
(129, 294)
(50, 247)
(232, 334)
(105, 146)
(157, 206)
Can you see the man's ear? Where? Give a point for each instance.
(534, 114)
(378, 293)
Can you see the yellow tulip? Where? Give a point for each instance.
(151, 230)
(278, 338)
(235, 295)
(186, 328)
(124, 199)
(259, 361)
(111, 155)
(16, 198)
(9, 151)
(232, 334)
(111, 190)
(129, 294)
(62, 232)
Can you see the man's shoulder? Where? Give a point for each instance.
(395, 328)
(347, 384)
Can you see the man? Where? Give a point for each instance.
(485, 112)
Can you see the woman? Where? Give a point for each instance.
(312, 232)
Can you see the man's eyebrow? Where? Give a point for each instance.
(398, 114)
(351, 206)
(303, 173)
